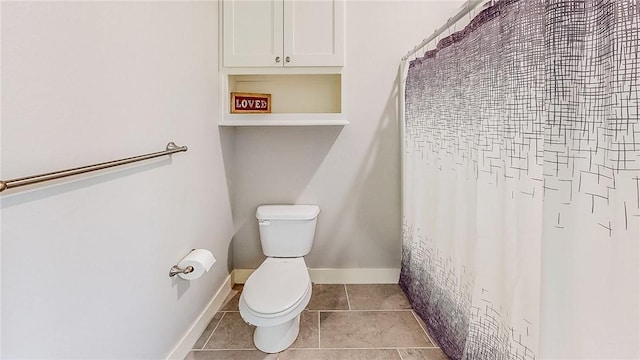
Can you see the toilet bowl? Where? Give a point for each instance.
(278, 291)
(273, 298)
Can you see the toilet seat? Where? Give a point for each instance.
(278, 290)
(277, 285)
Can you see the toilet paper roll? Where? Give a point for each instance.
(200, 259)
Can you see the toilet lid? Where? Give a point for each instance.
(277, 285)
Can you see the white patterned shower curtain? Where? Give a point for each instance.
(521, 183)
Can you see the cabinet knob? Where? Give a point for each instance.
(278, 59)
(287, 59)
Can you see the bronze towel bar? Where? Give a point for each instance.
(13, 183)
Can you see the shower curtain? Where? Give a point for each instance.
(521, 183)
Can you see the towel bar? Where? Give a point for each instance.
(28, 180)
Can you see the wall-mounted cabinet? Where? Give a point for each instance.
(290, 49)
(279, 33)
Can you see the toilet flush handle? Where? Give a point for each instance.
(264, 222)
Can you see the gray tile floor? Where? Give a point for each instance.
(341, 322)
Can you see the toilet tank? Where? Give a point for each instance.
(287, 230)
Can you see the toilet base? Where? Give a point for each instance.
(273, 339)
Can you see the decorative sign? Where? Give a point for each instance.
(242, 103)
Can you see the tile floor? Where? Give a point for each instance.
(341, 322)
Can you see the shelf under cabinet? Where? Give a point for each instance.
(283, 120)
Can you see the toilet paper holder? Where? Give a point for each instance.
(175, 270)
(193, 265)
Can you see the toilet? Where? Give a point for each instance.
(277, 292)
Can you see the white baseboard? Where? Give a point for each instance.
(355, 276)
(240, 276)
(337, 276)
(184, 346)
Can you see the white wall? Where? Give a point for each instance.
(85, 261)
(353, 173)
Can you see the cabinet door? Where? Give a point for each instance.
(314, 32)
(253, 33)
